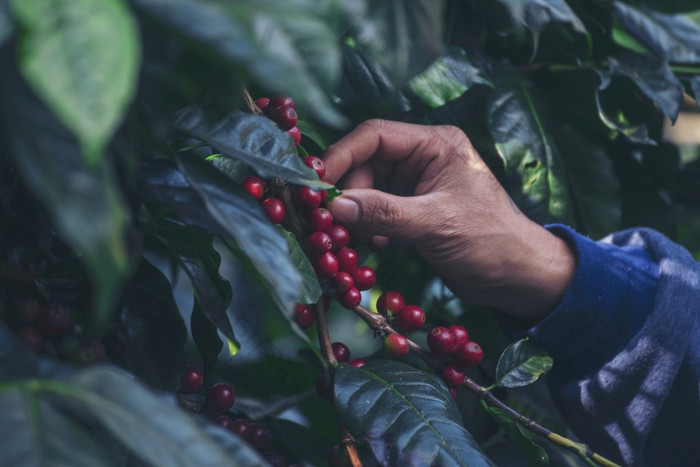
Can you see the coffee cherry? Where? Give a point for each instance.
(307, 199)
(32, 336)
(364, 277)
(282, 100)
(241, 427)
(28, 310)
(259, 436)
(319, 243)
(220, 397)
(224, 421)
(55, 319)
(459, 334)
(441, 341)
(358, 362)
(254, 186)
(453, 377)
(274, 210)
(410, 318)
(304, 316)
(317, 164)
(284, 116)
(326, 265)
(390, 302)
(88, 353)
(263, 103)
(396, 344)
(341, 352)
(275, 459)
(342, 282)
(351, 298)
(468, 355)
(347, 260)
(339, 236)
(190, 380)
(319, 219)
(295, 133)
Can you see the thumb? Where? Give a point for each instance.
(377, 213)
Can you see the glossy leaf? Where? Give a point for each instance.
(537, 14)
(252, 139)
(310, 288)
(405, 415)
(520, 364)
(82, 58)
(206, 338)
(534, 175)
(533, 453)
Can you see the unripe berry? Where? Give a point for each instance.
(410, 318)
(358, 362)
(190, 381)
(351, 298)
(341, 352)
(304, 316)
(32, 336)
(241, 427)
(284, 116)
(28, 310)
(390, 302)
(441, 341)
(342, 282)
(320, 242)
(364, 277)
(220, 397)
(396, 344)
(326, 265)
(263, 103)
(295, 133)
(347, 260)
(468, 355)
(282, 100)
(259, 436)
(339, 235)
(254, 186)
(55, 319)
(453, 377)
(319, 219)
(307, 199)
(317, 164)
(274, 210)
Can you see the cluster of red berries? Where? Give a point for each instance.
(458, 351)
(283, 111)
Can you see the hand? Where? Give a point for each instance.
(438, 195)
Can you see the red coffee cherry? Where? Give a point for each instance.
(390, 302)
(358, 362)
(263, 103)
(28, 310)
(467, 355)
(32, 336)
(307, 199)
(453, 377)
(190, 380)
(340, 236)
(317, 164)
(284, 116)
(396, 344)
(341, 352)
(364, 277)
(274, 210)
(241, 427)
(295, 133)
(259, 436)
(441, 341)
(254, 186)
(282, 100)
(342, 282)
(351, 298)
(319, 219)
(347, 260)
(275, 459)
(304, 316)
(459, 334)
(55, 319)
(220, 397)
(224, 421)
(410, 318)
(320, 242)
(326, 265)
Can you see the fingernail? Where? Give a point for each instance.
(345, 210)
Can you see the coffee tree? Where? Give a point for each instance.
(173, 290)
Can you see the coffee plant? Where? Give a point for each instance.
(173, 290)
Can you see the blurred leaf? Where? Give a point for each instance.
(304, 443)
(6, 26)
(84, 202)
(694, 83)
(253, 139)
(310, 288)
(521, 363)
(537, 14)
(624, 39)
(64, 273)
(406, 415)
(534, 454)
(206, 338)
(674, 38)
(270, 39)
(82, 58)
(155, 331)
(534, 173)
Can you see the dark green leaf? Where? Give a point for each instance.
(304, 443)
(310, 288)
(206, 338)
(153, 326)
(533, 453)
(6, 26)
(674, 38)
(64, 273)
(534, 175)
(406, 415)
(521, 363)
(270, 39)
(82, 58)
(84, 202)
(253, 139)
(695, 87)
(537, 14)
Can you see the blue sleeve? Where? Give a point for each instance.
(626, 346)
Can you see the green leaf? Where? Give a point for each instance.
(82, 58)
(534, 175)
(206, 338)
(6, 26)
(253, 139)
(303, 442)
(521, 363)
(406, 415)
(533, 453)
(269, 39)
(310, 288)
(624, 39)
(84, 203)
(537, 14)
(674, 38)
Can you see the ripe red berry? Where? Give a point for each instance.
(468, 355)
(55, 319)
(364, 277)
(307, 199)
(220, 397)
(284, 116)
(28, 310)
(326, 265)
(259, 436)
(441, 341)
(241, 427)
(453, 377)
(341, 352)
(358, 362)
(410, 318)
(32, 336)
(295, 133)
(319, 219)
(351, 298)
(263, 103)
(274, 210)
(459, 334)
(224, 421)
(304, 315)
(396, 344)
(275, 459)
(347, 260)
(339, 235)
(282, 100)
(190, 380)
(317, 164)
(390, 302)
(254, 186)
(319, 242)
(342, 282)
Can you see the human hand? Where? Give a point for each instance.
(438, 195)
